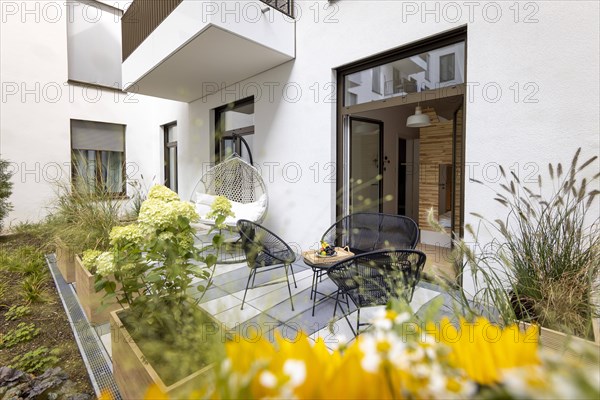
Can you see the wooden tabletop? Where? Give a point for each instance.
(311, 258)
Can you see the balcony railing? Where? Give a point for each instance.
(285, 6)
(141, 19)
(144, 16)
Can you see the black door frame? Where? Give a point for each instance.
(409, 50)
(376, 122)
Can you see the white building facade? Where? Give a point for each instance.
(332, 84)
(61, 80)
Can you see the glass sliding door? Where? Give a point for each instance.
(366, 168)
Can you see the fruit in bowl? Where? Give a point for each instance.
(326, 250)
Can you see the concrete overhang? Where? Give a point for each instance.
(199, 49)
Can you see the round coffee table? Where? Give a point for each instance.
(320, 265)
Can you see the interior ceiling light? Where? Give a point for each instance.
(418, 120)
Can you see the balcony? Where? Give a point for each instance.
(186, 49)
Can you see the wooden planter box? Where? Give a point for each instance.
(570, 347)
(65, 260)
(134, 375)
(96, 311)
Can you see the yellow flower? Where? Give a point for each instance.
(105, 395)
(483, 350)
(440, 362)
(154, 393)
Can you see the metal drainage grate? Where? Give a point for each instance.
(92, 350)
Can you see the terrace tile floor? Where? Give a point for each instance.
(268, 310)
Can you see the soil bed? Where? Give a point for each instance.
(49, 316)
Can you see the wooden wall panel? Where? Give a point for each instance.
(435, 149)
(459, 172)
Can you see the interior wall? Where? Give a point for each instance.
(435, 149)
(394, 128)
(412, 179)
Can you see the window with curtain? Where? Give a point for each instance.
(98, 157)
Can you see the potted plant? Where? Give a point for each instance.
(81, 220)
(542, 266)
(161, 337)
(96, 309)
(65, 260)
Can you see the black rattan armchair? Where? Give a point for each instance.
(265, 250)
(364, 232)
(372, 279)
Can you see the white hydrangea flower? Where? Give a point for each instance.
(162, 193)
(161, 215)
(105, 264)
(89, 258)
(166, 236)
(127, 234)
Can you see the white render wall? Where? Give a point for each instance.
(37, 105)
(549, 51)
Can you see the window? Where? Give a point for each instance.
(376, 80)
(234, 125)
(447, 67)
(409, 72)
(94, 43)
(170, 137)
(98, 157)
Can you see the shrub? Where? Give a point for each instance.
(153, 263)
(33, 288)
(26, 260)
(5, 190)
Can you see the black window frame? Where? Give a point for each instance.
(167, 146)
(222, 135)
(411, 49)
